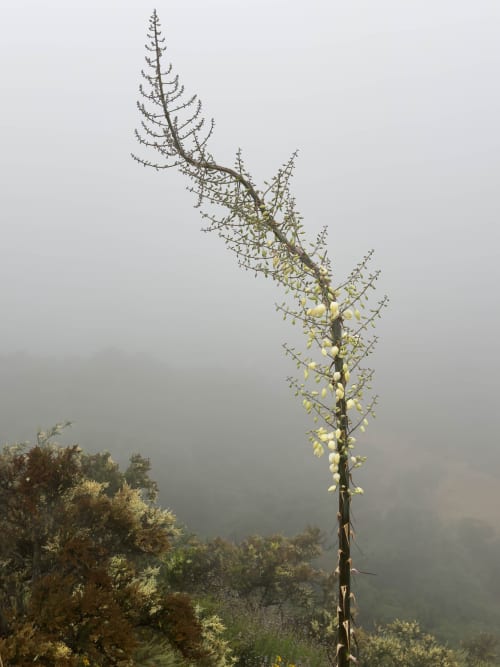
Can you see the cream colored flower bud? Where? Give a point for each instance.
(334, 310)
(336, 477)
(347, 314)
(318, 449)
(350, 404)
(317, 311)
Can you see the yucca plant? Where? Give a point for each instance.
(263, 227)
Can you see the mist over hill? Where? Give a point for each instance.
(225, 447)
(228, 449)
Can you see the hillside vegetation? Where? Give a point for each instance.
(95, 572)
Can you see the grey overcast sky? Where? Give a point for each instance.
(394, 107)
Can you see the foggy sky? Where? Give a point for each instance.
(394, 108)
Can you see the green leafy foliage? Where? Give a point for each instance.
(80, 558)
(403, 644)
(482, 650)
(259, 635)
(271, 596)
(273, 571)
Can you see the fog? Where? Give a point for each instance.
(119, 314)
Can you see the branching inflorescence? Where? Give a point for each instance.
(265, 231)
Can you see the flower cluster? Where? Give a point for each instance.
(334, 384)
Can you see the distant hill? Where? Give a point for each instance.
(229, 450)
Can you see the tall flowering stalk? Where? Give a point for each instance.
(264, 229)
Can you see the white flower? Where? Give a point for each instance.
(318, 449)
(334, 351)
(334, 310)
(317, 311)
(336, 376)
(350, 404)
(336, 477)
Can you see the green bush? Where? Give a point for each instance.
(403, 644)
